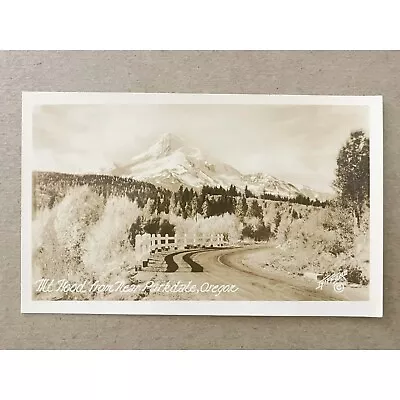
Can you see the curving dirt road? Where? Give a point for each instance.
(225, 267)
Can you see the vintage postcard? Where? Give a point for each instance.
(201, 204)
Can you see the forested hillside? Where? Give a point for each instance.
(161, 207)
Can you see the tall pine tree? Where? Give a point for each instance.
(255, 210)
(353, 173)
(206, 207)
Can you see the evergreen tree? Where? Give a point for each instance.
(165, 204)
(353, 173)
(178, 208)
(175, 206)
(187, 211)
(194, 204)
(222, 205)
(277, 221)
(262, 232)
(241, 208)
(149, 208)
(166, 228)
(157, 204)
(255, 210)
(185, 198)
(172, 204)
(248, 193)
(135, 229)
(232, 191)
(245, 206)
(152, 226)
(230, 204)
(206, 208)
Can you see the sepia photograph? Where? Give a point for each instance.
(169, 200)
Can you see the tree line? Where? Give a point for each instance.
(51, 187)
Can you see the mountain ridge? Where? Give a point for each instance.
(170, 163)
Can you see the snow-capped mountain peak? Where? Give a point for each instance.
(166, 145)
(170, 163)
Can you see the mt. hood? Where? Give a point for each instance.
(170, 163)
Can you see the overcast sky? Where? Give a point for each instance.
(295, 143)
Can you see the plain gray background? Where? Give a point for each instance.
(336, 73)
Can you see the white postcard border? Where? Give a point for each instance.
(371, 308)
